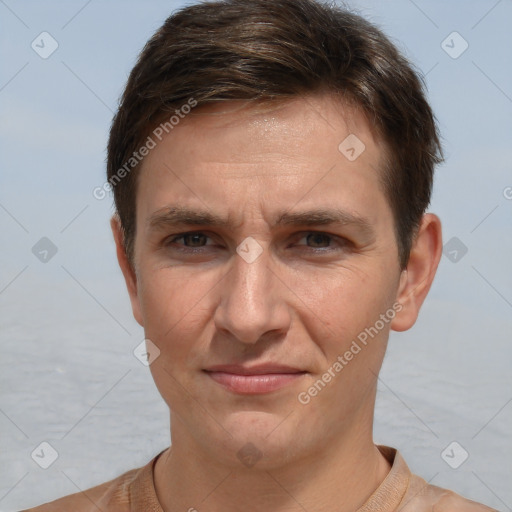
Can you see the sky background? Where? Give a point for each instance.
(68, 375)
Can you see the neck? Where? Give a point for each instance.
(340, 477)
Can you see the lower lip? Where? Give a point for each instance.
(254, 384)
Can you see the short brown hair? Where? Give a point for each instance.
(266, 50)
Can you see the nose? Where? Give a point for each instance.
(252, 305)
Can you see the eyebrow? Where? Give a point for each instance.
(181, 215)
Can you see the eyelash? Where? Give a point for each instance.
(342, 242)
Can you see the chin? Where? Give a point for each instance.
(258, 439)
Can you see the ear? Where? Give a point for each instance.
(417, 278)
(129, 274)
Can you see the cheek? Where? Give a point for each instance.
(173, 316)
(344, 322)
(168, 306)
(340, 304)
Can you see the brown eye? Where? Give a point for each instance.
(192, 240)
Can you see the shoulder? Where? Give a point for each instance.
(412, 493)
(111, 496)
(421, 496)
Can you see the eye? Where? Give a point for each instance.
(319, 242)
(318, 239)
(192, 240)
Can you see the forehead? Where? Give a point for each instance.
(239, 153)
(316, 123)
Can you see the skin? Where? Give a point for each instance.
(300, 303)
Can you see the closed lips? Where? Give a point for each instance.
(254, 380)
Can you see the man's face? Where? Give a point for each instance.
(243, 339)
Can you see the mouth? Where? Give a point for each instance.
(254, 380)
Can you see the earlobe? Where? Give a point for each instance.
(417, 278)
(126, 268)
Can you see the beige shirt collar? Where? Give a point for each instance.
(386, 498)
